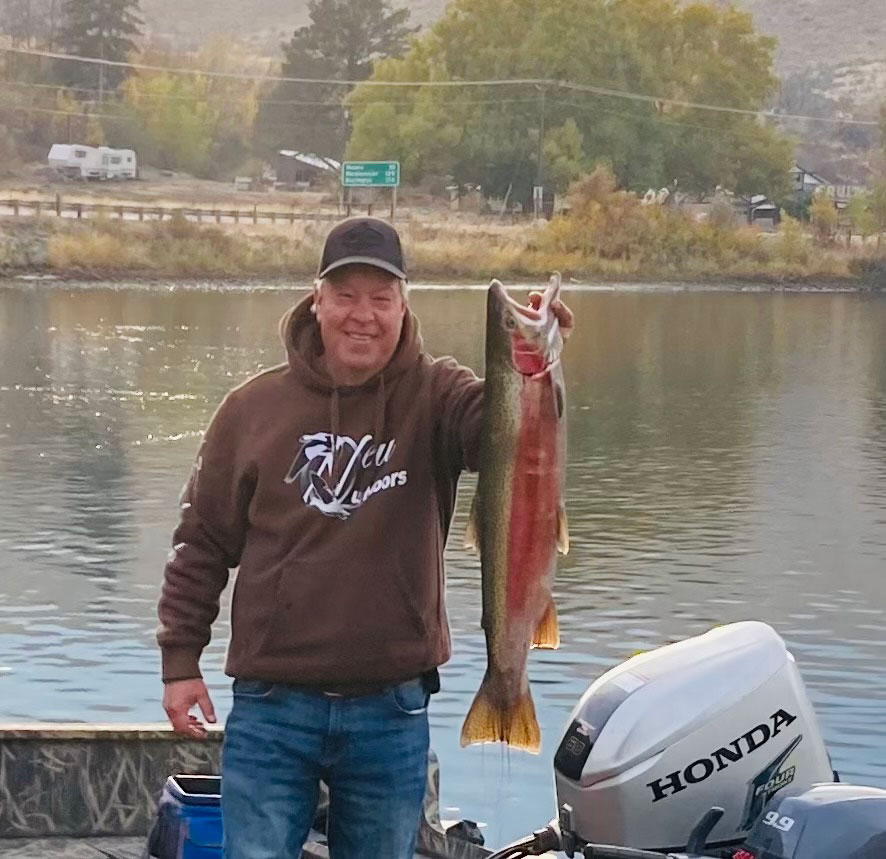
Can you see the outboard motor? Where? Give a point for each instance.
(721, 719)
(833, 821)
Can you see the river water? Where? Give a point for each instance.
(727, 461)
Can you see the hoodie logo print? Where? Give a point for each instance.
(337, 474)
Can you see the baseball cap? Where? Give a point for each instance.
(370, 241)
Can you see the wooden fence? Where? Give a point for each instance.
(132, 212)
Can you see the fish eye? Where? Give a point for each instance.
(510, 322)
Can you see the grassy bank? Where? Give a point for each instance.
(606, 237)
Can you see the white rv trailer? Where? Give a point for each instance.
(78, 161)
(118, 163)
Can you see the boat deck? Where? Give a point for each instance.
(99, 848)
(82, 791)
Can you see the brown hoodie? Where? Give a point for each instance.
(335, 503)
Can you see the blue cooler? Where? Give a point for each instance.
(189, 822)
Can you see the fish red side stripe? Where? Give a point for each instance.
(535, 495)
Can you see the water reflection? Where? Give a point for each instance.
(727, 460)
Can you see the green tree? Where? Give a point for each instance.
(564, 158)
(106, 29)
(860, 214)
(660, 48)
(878, 210)
(341, 42)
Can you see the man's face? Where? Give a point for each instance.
(360, 312)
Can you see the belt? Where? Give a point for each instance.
(356, 691)
(430, 679)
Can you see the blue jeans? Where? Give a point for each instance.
(371, 751)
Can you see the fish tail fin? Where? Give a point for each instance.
(489, 721)
(547, 634)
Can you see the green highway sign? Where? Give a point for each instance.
(370, 174)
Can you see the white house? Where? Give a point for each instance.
(806, 181)
(78, 161)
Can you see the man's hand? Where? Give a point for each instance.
(179, 697)
(564, 315)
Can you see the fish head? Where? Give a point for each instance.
(528, 338)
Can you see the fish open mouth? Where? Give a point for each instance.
(535, 333)
(527, 359)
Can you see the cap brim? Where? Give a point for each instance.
(377, 263)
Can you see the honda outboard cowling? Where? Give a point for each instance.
(833, 821)
(721, 719)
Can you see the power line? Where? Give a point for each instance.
(337, 105)
(692, 105)
(29, 109)
(495, 82)
(650, 117)
(55, 55)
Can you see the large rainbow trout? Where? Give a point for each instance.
(517, 519)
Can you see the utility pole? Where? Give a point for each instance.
(540, 165)
(101, 69)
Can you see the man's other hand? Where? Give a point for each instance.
(564, 315)
(179, 698)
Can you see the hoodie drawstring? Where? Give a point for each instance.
(334, 426)
(335, 423)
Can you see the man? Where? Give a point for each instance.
(330, 481)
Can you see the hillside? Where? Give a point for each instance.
(810, 32)
(829, 32)
(265, 23)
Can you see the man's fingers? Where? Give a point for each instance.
(179, 698)
(195, 728)
(564, 315)
(180, 720)
(206, 707)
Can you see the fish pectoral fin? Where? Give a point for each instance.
(492, 721)
(562, 531)
(547, 633)
(472, 534)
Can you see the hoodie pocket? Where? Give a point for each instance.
(345, 611)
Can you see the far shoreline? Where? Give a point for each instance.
(134, 279)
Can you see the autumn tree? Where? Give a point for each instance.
(196, 122)
(663, 54)
(824, 218)
(342, 41)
